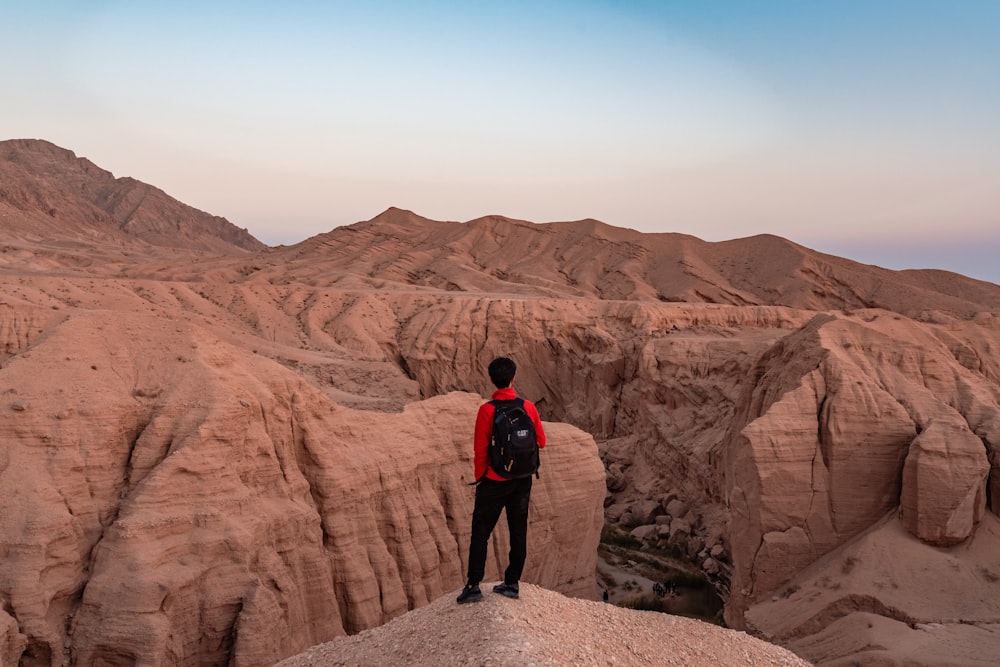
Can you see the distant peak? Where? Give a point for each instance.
(399, 216)
(12, 147)
(395, 210)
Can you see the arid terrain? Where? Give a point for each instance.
(543, 629)
(217, 452)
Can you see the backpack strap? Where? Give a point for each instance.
(489, 441)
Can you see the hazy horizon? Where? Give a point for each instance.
(863, 129)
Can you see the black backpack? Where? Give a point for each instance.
(513, 449)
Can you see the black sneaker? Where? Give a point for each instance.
(510, 590)
(470, 593)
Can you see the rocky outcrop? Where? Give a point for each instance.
(185, 501)
(846, 421)
(543, 628)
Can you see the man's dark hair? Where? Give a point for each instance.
(502, 372)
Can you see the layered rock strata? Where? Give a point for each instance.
(843, 424)
(170, 499)
(759, 407)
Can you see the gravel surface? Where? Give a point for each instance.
(542, 629)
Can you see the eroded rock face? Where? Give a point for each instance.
(848, 421)
(216, 441)
(169, 499)
(12, 642)
(770, 435)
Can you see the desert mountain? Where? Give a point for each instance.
(589, 259)
(48, 195)
(202, 462)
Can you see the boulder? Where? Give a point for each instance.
(944, 483)
(677, 508)
(614, 512)
(646, 511)
(679, 530)
(695, 545)
(644, 533)
(615, 478)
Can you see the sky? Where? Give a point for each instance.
(868, 129)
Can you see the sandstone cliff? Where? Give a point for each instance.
(851, 418)
(767, 436)
(170, 499)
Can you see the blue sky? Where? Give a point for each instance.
(864, 129)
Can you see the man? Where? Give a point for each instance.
(495, 493)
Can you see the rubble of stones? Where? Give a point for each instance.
(671, 522)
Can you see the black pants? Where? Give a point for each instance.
(491, 498)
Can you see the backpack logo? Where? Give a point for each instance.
(513, 451)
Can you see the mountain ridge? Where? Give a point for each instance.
(50, 192)
(592, 259)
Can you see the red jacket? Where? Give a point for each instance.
(484, 424)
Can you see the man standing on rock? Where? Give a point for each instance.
(502, 486)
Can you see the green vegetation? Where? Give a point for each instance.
(695, 597)
(710, 612)
(618, 547)
(618, 538)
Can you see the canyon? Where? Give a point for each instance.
(214, 451)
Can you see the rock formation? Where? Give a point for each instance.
(199, 446)
(169, 498)
(847, 421)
